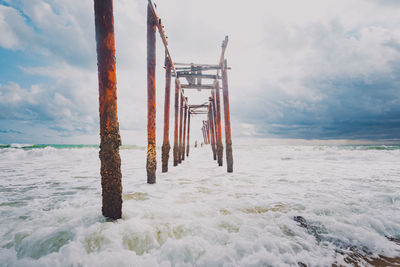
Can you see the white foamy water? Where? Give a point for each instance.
(197, 214)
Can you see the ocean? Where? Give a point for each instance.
(283, 205)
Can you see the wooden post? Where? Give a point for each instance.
(184, 132)
(151, 163)
(220, 147)
(176, 142)
(211, 125)
(166, 146)
(180, 130)
(188, 135)
(228, 138)
(110, 139)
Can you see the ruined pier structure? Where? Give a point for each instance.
(194, 74)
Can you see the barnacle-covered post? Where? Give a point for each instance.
(228, 138)
(166, 146)
(184, 132)
(188, 135)
(151, 163)
(176, 141)
(110, 139)
(220, 147)
(180, 130)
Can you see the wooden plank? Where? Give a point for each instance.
(195, 75)
(195, 86)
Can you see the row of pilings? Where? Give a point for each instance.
(212, 130)
(110, 140)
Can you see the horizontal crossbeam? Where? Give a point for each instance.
(195, 86)
(195, 75)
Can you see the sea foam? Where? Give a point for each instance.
(197, 213)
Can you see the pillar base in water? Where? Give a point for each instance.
(151, 164)
(220, 152)
(229, 157)
(111, 174)
(176, 154)
(165, 156)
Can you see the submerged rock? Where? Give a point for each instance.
(353, 255)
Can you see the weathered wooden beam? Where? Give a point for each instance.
(164, 39)
(151, 163)
(195, 75)
(166, 146)
(228, 138)
(195, 65)
(176, 142)
(110, 139)
(198, 106)
(220, 147)
(184, 133)
(200, 112)
(199, 68)
(195, 86)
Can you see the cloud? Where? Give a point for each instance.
(13, 28)
(319, 69)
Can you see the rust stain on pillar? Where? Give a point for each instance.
(180, 129)
(220, 147)
(166, 146)
(151, 163)
(228, 138)
(176, 142)
(110, 139)
(184, 132)
(188, 135)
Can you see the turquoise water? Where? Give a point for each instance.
(57, 146)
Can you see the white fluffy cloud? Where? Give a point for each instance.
(294, 63)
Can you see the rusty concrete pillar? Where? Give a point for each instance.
(188, 135)
(110, 139)
(209, 131)
(214, 122)
(151, 163)
(228, 138)
(180, 130)
(220, 147)
(166, 146)
(184, 132)
(176, 142)
(204, 134)
(212, 131)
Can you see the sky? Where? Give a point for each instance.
(306, 69)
